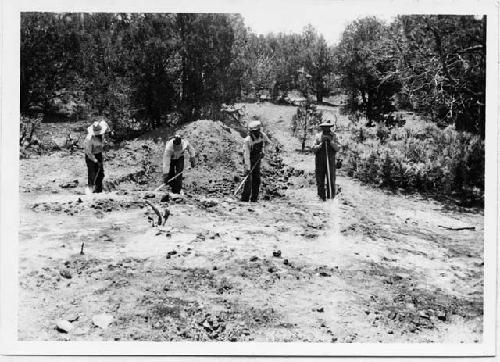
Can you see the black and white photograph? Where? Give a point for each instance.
(303, 175)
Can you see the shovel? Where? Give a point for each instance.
(247, 176)
(169, 181)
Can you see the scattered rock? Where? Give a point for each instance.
(390, 332)
(423, 314)
(254, 258)
(277, 253)
(324, 274)
(271, 269)
(149, 196)
(69, 185)
(72, 317)
(319, 309)
(441, 316)
(102, 320)
(207, 202)
(165, 198)
(63, 326)
(286, 262)
(65, 273)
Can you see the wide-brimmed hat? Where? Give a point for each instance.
(98, 128)
(177, 139)
(254, 125)
(326, 124)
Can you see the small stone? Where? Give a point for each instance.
(102, 320)
(319, 310)
(441, 316)
(324, 274)
(277, 253)
(286, 262)
(423, 314)
(72, 317)
(334, 339)
(63, 326)
(390, 332)
(254, 258)
(271, 269)
(214, 267)
(65, 273)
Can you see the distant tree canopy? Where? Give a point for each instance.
(149, 66)
(434, 65)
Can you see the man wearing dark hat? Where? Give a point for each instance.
(325, 146)
(173, 161)
(253, 152)
(93, 146)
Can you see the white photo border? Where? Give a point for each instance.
(9, 177)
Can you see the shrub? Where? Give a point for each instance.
(418, 156)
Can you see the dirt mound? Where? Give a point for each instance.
(219, 169)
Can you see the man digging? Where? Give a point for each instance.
(253, 152)
(173, 162)
(93, 146)
(325, 146)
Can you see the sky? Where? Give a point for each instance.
(329, 19)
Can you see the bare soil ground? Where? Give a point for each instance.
(370, 266)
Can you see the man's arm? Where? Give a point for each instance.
(191, 153)
(190, 149)
(246, 154)
(87, 146)
(317, 143)
(167, 154)
(334, 143)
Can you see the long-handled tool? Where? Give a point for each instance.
(87, 189)
(169, 181)
(247, 176)
(328, 172)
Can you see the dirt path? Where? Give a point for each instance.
(369, 267)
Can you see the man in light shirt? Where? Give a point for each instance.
(253, 151)
(94, 146)
(173, 161)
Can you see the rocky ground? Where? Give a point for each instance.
(371, 266)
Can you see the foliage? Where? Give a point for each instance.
(420, 157)
(363, 58)
(432, 64)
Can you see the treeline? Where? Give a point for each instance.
(162, 68)
(434, 65)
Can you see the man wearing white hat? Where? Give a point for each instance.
(325, 146)
(173, 161)
(253, 152)
(93, 146)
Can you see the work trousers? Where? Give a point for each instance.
(252, 184)
(322, 174)
(95, 172)
(176, 166)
